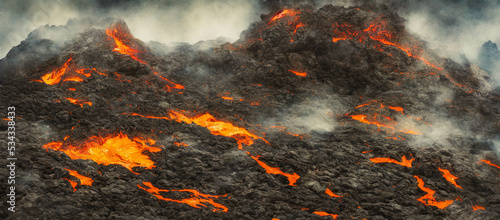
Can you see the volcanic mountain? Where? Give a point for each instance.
(330, 113)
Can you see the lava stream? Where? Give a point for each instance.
(285, 12)
(73, 183)
(87, 181)
(331, 194)
(292, 178)
(429, 198)
(325, 214)
(79, 102)
(477, 207)
(54, 77)
(197, 199)
(113, 149)
(489, 163)
(303, 74)
(404, 162)
(449, 177)
(215, 126)
(119, 36)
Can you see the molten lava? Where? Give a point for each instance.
(54, 77)
(73, 183)
(79, 102)
(374, 121)
(404, 162)
(489, 163)
(112, 149)
(285, 12)
(121, 36)
(325, 214)
(83, 179)
(303, 74)
(449, 177)
(331, 194)
(197, 199)
(429, 198)
(477, 207)
(292, 178)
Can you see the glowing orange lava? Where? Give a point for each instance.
(292, 178)
(378, 31)
(373, 121)
(331, 194)
(285, 12)
(73, 183)
(178, 144)
(55, 76)
(120, 36)
(79, 102)
(197, 199)
(325, 214)
(404, 162)
(477, 207)
(112, 149)
(217, 127)
(429, 198)
(83, 179)
(399, 109)
(303, 74)
(449, 177)
(489, 163)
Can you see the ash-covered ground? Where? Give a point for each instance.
(312, 114)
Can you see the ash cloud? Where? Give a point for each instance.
(162, 21)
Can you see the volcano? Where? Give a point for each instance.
(329, 113)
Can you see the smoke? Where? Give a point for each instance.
(162, 21)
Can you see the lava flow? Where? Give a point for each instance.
(325, 214)
(73, 183)
(120, 36)
(429, 198)
(79, 102)
(215, 126)
(449, 177)
(292, 178)
(87, 181)
(477, 207)
(331, 194)
(113, 149)
(285, 12)
(197, 199)
(404, 162)
(303, 74)
(374, 121)
(54, 77)
(489, 163)
(378, 31)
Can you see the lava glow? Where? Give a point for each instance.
(477, 207)
(83, 179)
(303, 74)
(325, 214)
(113, 149)
(429, 198)
(217, 127)
(331, 194)
(404, 162)
(449, 177)
(79, 102)
(120, 36)
(373, 121)
(285, 12)
(73, 183)
(196, 200)
(292, 178)
(54, 77)
(489, 163)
